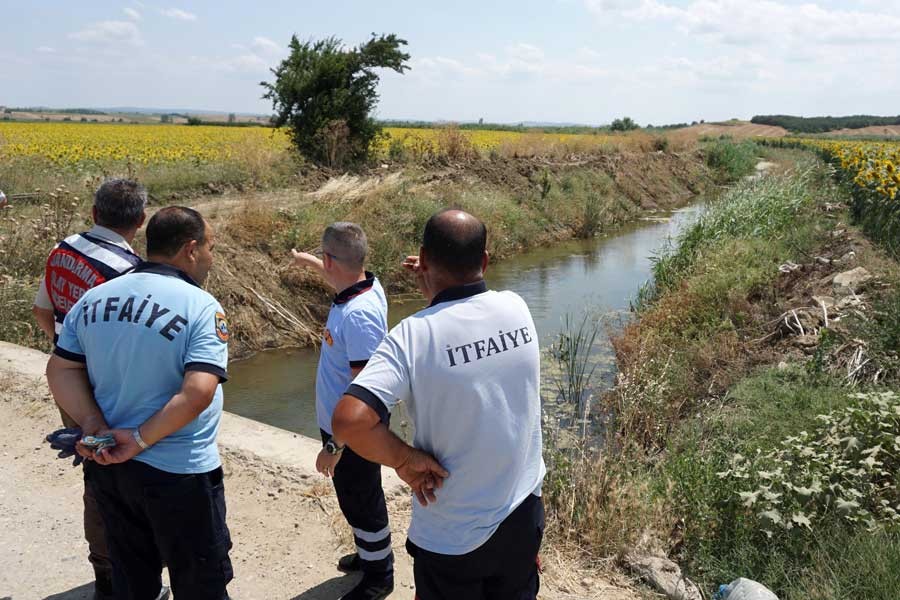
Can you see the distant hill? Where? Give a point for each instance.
(823, 124)
(176, 111)
(133, 110)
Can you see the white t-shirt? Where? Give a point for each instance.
(468, 366)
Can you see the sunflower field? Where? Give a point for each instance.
(68, 144)
(872, 171)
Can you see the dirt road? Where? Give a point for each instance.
(287, 529)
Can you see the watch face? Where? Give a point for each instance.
(331, 447)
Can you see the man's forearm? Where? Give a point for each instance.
(177, 413)
(72, 391)
(377, 444)
(195, 396)
(316, 265)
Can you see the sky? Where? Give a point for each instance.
(575, 61)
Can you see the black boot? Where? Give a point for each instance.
(103, 587)
(349, 563)
(372, 587)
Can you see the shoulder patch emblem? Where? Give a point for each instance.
(328, 339)
(222, 327)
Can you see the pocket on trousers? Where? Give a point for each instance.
(214, 561)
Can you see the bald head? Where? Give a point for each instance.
(455, 241)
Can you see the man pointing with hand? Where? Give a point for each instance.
(468, 366)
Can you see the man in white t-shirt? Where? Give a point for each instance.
(468, 366)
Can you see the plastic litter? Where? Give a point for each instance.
(98, 442)
(744, 589)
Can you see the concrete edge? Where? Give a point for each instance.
(271, 445)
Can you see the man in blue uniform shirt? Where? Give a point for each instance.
(357, 322)
(142, 357)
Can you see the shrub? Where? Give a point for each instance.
(661, 143)
(731, 160)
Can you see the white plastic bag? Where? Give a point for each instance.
(745, 589)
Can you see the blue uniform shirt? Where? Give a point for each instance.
(356, 325)
(139, 334)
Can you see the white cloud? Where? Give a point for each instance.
(110, 32)
(243, 63)
(177, 13)
(264, 45)
(248, 62)
(46, 49)
(741, 23)
(518, 62)
(132, 14)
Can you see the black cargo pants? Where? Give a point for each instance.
(154, 517)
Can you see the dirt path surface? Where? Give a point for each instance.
(287, 529)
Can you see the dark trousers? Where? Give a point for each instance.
(503, 568)
(154, 517)
(93, 530)
(357, 483)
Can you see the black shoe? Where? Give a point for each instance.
(103, 589)
(371, 588)
(349, 563)
(99, 595)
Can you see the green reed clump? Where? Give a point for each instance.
(731, 160)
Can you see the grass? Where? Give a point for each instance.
(722, 538)
(575, 203)
(765, 209)
(26, 237)
(731, 160)
(694, 391)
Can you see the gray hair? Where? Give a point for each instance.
(346, 242)
(120, 203)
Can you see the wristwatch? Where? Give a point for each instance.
(332, 448)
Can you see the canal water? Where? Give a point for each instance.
(599, 276)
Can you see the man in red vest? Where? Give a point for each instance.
(78, 263)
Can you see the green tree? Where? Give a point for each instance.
(625, 124)
(325, 92)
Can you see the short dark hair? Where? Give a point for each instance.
(120, 203)
(453, 245)
(173, 227)
(347, 242)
